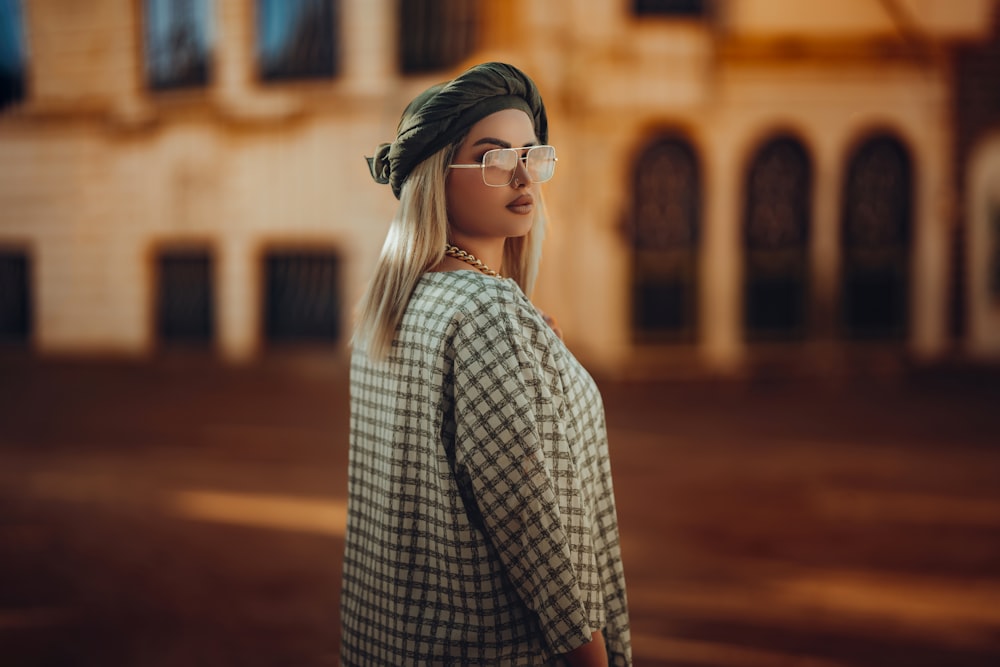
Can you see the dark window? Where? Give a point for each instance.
(185, 304)
(876, 240)
(296, 39)
(13, 53)
(178, 43)
(994, 269)
(665, 242)
(668, 7)
(436, 34)
(302, 296)
(15, 297)
(775, 235)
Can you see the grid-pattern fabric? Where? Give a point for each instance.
(481, 518)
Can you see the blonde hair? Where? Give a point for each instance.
(415, 244)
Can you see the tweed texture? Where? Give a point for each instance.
(481, 519)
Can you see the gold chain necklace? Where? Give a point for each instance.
(458, 253)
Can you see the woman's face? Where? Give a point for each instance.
(479, 212)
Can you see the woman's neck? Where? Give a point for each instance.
(489, 252)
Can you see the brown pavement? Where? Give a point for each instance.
(181, 512)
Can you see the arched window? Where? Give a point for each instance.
(665, 241)
(875, 237)
(993, 269)
(775, 236)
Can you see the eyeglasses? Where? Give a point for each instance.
(500, 164)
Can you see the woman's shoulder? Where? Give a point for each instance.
(472, 291)
(476, 301)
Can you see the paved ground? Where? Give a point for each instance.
(179, 513)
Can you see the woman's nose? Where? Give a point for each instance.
(521, 178)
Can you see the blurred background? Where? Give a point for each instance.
(775, 242)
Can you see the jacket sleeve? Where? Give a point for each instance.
(503, 412)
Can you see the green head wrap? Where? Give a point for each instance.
(446, 111)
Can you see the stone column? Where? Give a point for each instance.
(368, 42)
(237, 304)
(719, 300)
(233, 59)
(929, 269)
(824, 250)
(982, 245)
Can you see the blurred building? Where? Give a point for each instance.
(743, 186)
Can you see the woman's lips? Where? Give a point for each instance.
(523, 205)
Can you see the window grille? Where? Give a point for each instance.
(665, 243)
(178, 43)
(15, 297)
(13, 53)
(668, 7)
(296, 39)
(186, 299)
(775, 233)
(436, 34)
(994, 268)
(875, 237)
(302, 296)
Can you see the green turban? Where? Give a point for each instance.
(446, 111)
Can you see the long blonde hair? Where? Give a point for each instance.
(415, 244)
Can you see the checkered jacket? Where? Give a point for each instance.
(481, 522)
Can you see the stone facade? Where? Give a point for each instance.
(101, 176)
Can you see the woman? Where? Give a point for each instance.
(481, 518)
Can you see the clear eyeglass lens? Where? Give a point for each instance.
(541, 163)
(499, 164)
